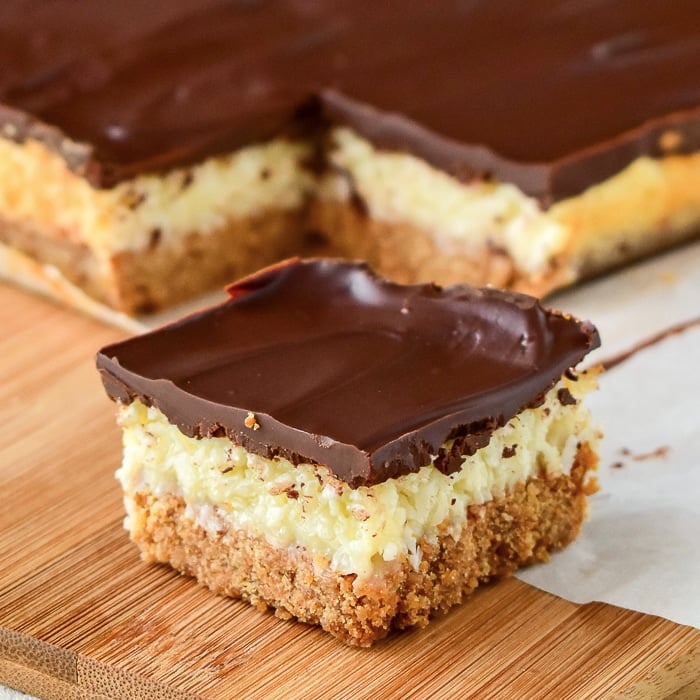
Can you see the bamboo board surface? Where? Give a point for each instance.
(81, 616)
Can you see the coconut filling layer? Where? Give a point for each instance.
(648, 199)
(354, 531)
(402, 188)
(201, 198)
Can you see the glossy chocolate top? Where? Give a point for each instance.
(342, 368)
(553, 94)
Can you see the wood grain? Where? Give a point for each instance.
(82, 617)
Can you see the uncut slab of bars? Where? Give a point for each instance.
(479, 151)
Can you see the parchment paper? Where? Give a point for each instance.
(640, 547)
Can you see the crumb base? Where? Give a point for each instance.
(537, 517)
(410, 254)
(143, 281)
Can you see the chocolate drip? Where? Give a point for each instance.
(611, 362)
(322, 361)
(552, 95)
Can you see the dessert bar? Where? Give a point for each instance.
(352, 452)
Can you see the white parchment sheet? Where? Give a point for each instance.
(640, 548)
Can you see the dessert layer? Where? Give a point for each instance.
(401, 188)
(409, 254)
(146, 280)
(172, 271)
(522, 527)
(39, 191)
(552, 100)
(322, 361)
(48, 280)
(651, 203)
(356, 531)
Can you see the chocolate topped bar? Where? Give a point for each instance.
(321, 361)
(552, 95)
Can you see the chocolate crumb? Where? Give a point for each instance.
(565, 397)
(217, 430)
(358, 203)
(315, 240)
(617, 465)
(642, 456)
(187, 179)
(278, 489)
(508, 451)
(134, 199)
(154, 239)
(147, 306)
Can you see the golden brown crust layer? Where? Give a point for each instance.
(76, 261)
(543, 515)
(142, 281)
(165, 274)
(409, 254)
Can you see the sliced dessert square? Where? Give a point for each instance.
(352, 452)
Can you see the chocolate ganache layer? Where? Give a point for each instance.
(342, 368)
(553, 95)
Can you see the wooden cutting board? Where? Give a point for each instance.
(81, 616)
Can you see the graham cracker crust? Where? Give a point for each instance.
(166, 272)
(522, 527)
(169, 272)
(76, 261)
(408, 254)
